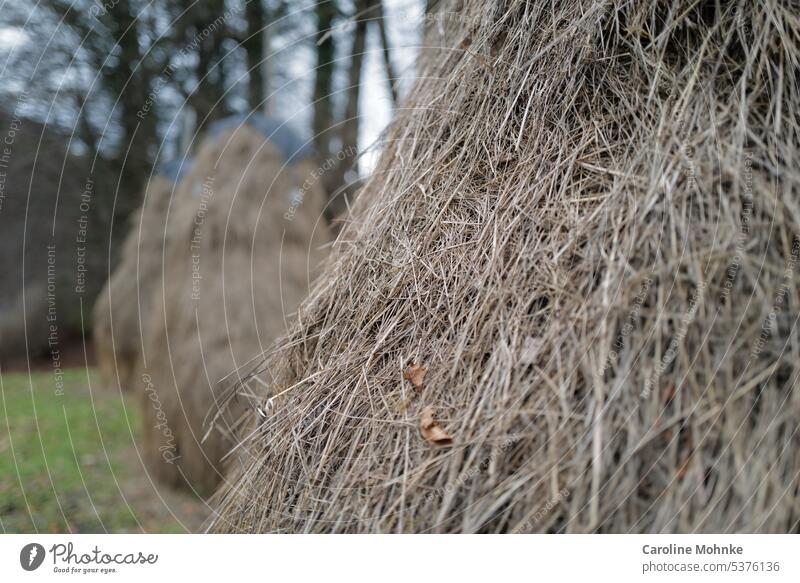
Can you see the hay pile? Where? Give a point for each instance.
(244, 240)
(585, 227)
(44, 193)
(124, 303)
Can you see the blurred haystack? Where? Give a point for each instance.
(48, 207)
(125, 301)
(585, 227)
(244, 241)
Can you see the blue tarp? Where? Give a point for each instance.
(277, 132)
(174, 169)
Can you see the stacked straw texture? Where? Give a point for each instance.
(124, 303)
(244, 240)
(584, 225)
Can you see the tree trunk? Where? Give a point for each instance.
(350, 123)
(336, 181)
(130, 82)
(380, 20)
(207, 97)
(323, 83)
(256, 16)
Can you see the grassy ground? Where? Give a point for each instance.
(68, 461)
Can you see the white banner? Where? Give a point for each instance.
(402, 558)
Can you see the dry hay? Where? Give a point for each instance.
(125, 300)
(239, 255)
(585, 228)
(42, 188)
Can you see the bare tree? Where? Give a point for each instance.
(255, 51)
(380, 21)
(326, 12)
(350, 124)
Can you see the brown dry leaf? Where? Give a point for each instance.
(415, 373)
(431, 430)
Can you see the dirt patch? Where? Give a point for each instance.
(155, 508)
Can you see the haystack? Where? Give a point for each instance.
(244, 241)
(46, 273)
(124, 303)
(581, 249)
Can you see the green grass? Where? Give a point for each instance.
(60, 454)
